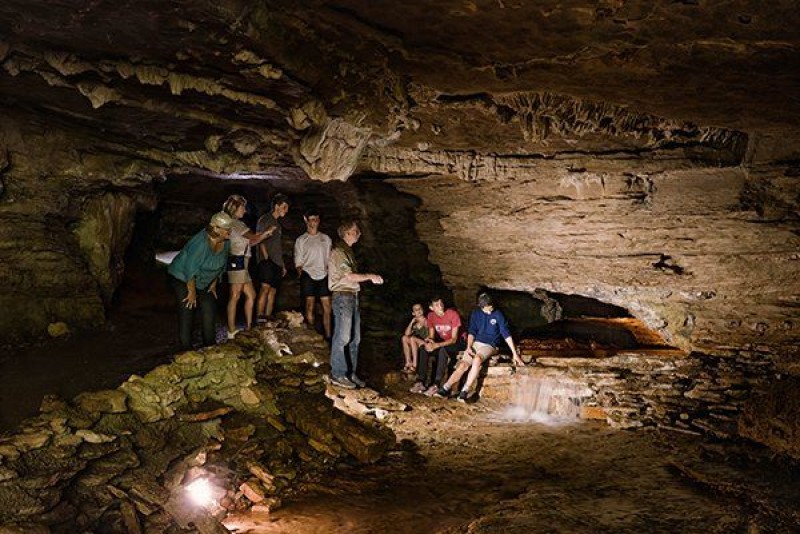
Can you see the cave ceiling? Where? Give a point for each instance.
(237, 85)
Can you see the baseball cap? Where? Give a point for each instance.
(221, 220)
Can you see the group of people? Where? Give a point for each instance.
(328, 273)
(438, 339)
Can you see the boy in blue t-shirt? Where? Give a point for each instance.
(487, 327)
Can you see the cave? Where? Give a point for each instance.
(619, 177)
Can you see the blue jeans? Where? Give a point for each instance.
(346, 333)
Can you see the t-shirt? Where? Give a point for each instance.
(444, 326)
(197, 260)
(240, 245)
(489, 328)
(273, 242)
(340, 264)
(311, 252)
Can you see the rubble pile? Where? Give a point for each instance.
(250, 417)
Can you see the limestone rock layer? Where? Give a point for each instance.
(644, 154)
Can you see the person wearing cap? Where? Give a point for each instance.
(487, 327)
(193, 276)
(242, 238)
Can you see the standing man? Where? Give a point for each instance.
(444, 342)
(311, 252)
(487, 327)
(345, 282)
(271, 268)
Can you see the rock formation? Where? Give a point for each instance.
(249, 416)
(644, 154)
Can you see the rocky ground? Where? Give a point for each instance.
(461, 468)
(455, 467)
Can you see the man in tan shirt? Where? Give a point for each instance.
(345, 282)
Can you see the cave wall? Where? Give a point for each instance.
(66, 214)
(685, 250)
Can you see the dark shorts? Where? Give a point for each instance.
(313, 288)
(270, 273)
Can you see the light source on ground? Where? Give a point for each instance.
(201, 492)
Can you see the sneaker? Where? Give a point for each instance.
(463, 396)
(442, 393)
(262, 319)
(419, 387)
(357, 381)
(232, 335)
(342, 382)
(431, 391)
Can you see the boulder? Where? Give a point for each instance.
(106, 401)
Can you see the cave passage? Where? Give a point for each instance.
(621, 176)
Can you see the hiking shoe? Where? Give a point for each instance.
(419, 387)
(463, 396)
(342, 382)
(357, 381)
(442, 393)
(232, 335)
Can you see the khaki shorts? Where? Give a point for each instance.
(242, 276)
(483, 351)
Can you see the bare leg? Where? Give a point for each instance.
(310, 301)
(474, 371)
(416, 343)
(261, 303)
(326, 315)
(236, 291)
(249, 299)
(458, 372)
(407, 350)
(271, 294)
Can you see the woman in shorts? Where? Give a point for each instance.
(242, 238)
(414, 337)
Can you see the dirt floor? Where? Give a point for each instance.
(459, 468)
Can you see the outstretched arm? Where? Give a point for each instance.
(359, 278)
(256, 238)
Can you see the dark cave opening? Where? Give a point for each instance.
(553, 322)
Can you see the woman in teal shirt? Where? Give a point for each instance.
(193, 277)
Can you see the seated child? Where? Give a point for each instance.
(414, 336)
